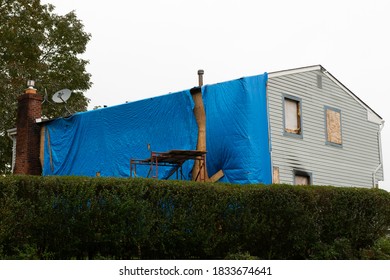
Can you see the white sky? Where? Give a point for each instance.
(148, 48)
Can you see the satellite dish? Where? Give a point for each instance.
(61, 96)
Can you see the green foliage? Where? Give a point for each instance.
(240, 256)
(37, 44)
(379, 251)
(107, 218)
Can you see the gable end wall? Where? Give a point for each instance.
(352, 163)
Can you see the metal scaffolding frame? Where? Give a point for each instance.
(174, 159)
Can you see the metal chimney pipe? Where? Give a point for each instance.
(200, 75)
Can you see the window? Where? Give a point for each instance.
(302, 178)
(333, 126)
(292, 116)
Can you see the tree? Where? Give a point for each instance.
(37, 44)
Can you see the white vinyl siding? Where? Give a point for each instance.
(351, 165)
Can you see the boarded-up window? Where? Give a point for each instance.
(333, 126)
(302, 180)
(292, 116)
(275, 175)
(302, 177)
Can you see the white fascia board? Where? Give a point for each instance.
(294, 71)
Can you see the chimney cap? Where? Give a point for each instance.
(30, 83)
(30, 89)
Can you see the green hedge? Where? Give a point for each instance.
(106, 218)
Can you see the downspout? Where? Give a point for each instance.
(374, 185)
(11, 134)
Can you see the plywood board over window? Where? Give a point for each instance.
(292, 116)
(275, 175)
(302, 180)
(333, 126)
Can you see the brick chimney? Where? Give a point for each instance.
(28, 132)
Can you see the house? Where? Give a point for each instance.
(298, 126)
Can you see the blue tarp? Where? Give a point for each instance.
(104, 140)
(237, 130)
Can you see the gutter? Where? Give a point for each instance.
(374, 185)
(11, 133)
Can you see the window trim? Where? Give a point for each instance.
(297, 172)
(326, 126)
(299, 100)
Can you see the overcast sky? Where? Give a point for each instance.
(147, 48)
